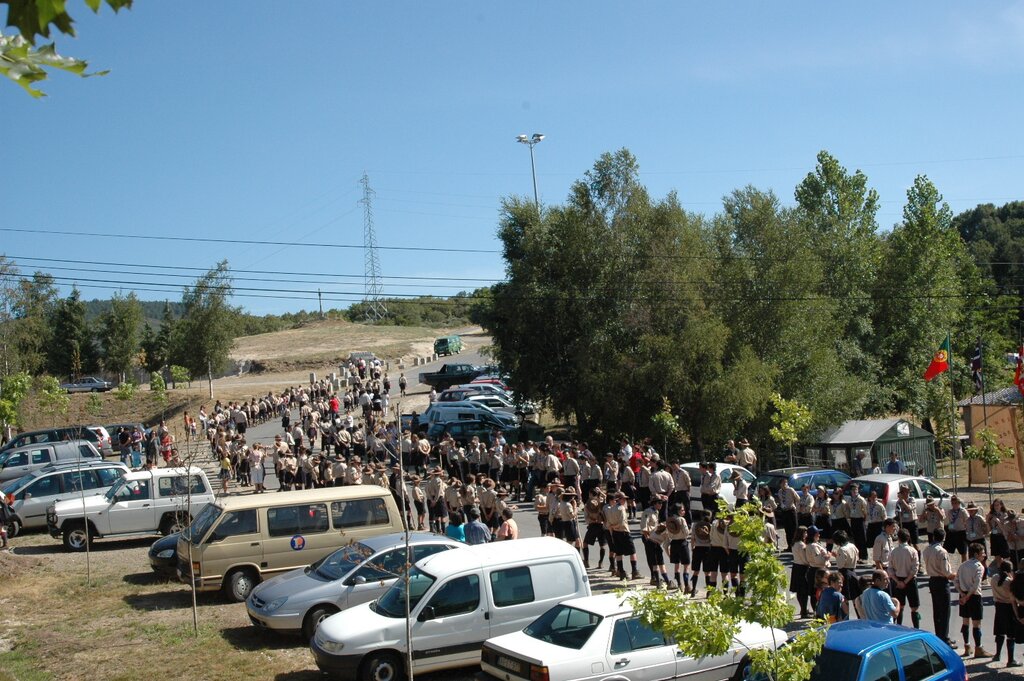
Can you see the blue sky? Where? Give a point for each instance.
(255, 120)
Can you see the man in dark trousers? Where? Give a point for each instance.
(935, 559)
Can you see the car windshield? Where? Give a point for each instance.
(112, 492)
(564, 626)
(338, 564)
(392, 603)
(202, 524)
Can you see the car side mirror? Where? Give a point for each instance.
(945, 495)
(427, 613)
(357, 579)
(28, 495)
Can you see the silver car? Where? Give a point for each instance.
(30, 495)
(297, 601)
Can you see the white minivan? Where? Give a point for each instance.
(457, 600)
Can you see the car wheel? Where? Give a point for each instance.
(314, 617)
(383, 667)
(239, 584)
(13, 528)
(174, 522)
(75, 538)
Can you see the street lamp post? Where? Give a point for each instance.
(532, 142)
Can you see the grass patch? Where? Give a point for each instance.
(18, 665)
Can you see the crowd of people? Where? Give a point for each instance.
(851, 556)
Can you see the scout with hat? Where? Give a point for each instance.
(452, 497)
(540, 505)
(679, 550)
(701, 538)
(745, 456)
(654, 550)
(977, 528)
(593, 516)
(419, 501)
(934, 518)
(906, 513)
(436, 507)
(489, 505)
(554, 495)
(740, 487)
(566, 513)
(956, 528)
(621, 543)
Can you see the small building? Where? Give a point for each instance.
(858, 446)
(996, 411)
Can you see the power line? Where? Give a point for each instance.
(210, 240)
(18, 258)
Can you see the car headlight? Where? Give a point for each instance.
(166, 553)
(274, 604)
(326, 645)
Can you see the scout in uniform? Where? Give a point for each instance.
(856, 515)
(906, 514)
(977, 528)
(701, 547)
(956, 529)
(936, 565)
(876, 517)
(621, 541)
(904, 562)
(679, 550)
(593, 516)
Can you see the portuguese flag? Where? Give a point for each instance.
(940, 361)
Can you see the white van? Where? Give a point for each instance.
(457, 599)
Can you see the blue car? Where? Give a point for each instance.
(800, 476)
(860, 650)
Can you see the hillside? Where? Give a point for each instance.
(326, 343)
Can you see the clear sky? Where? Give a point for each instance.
(255, 120)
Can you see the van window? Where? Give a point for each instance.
(359, 513)
(286, 521)
(76, 481)
(86, 452)
(175, 486)
(235, 523)
(512, 586)
(19, 459)
(458, 596)
(553, 580)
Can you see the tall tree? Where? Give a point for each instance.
(72, 351)
(33, 302)
(208, 324)
(774, 295)
(839, 212)
(120, 330)
(919, 294)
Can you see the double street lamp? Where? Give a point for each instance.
(532, 142)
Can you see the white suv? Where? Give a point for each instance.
(141, 503)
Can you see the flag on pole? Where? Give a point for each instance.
(1018, 374)
(979, 383)
(940, 361)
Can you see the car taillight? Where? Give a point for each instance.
(885, 495)
(10, 499)
(196, 568)
(538, 673)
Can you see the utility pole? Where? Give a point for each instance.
(320, 298)
(375, 307)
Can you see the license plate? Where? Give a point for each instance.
(509, 664)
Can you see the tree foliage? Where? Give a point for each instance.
(709, 627)
(13, 389)
(120, 334)
(53, 400)
(25, 62)
(72, 352)
(206, 331)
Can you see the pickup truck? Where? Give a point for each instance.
(451, 374)
(141, 503)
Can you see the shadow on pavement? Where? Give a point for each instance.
(254, 638)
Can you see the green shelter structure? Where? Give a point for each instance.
(858, 446)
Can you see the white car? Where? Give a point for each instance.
(147, 502)
(598, 638)
(887, 486)
(724, 471)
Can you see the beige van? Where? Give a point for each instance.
(238, 541)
